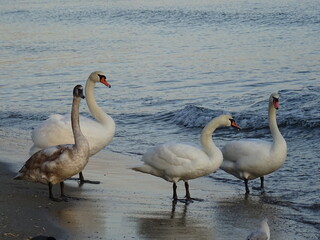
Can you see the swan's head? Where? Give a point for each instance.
(274, 100)
(78, 91)
(228, 121)
(99, 76)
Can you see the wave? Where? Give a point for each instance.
(193, 117)
(299, 108)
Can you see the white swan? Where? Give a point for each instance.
(256, 158)
(262, 233)
(57, 128)
(54, 164)
(177, 161)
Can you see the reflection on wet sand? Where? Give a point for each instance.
(174, 224)
(79, 216)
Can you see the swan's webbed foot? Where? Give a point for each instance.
(190, 199)
(52, 198)
(66, 198)
(56, 199)
(187, 200)
(82, 180)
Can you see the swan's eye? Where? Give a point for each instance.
(102, 76)
(233, 123)
(275, 99)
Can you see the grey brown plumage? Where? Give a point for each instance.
(54, 164)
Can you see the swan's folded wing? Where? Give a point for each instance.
(53, 131)
(233, 151)
(171, 155)
(45, 156)
(57, 130)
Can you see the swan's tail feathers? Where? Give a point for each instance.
(142, 168)
(227, 165)
(146, 169)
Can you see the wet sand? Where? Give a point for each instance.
(131, 205)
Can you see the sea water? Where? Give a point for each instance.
(173, 66)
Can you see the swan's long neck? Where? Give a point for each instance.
(278, 140)
(78, 136)
(206, 138)
(95, 110)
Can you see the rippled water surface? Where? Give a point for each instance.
(173, 65)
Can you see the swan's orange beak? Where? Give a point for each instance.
(103, 80)
(233, 124)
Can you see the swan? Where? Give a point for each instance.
(255, 158)
(57, 128)
(54, 164)
(177, 161)
(262, 233)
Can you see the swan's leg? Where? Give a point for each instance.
(62, 189)
(186, 185)
(51, 195)
(63, 196)
(262, 183)
(246, 185)
(82, 180)
(175, 196)
(188, 197)
(50, 190)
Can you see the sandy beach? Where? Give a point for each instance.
(129, 205)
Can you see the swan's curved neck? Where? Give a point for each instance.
(95, 110)
(276, 135)
(77, 134)
(206, 138)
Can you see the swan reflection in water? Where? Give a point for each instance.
(175, 224)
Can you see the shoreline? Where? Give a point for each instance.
(129, 204)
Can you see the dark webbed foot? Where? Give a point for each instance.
(190, 199)
(82, 180)
(52, 198)
(56, 199)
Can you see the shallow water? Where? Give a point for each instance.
(173, 65)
